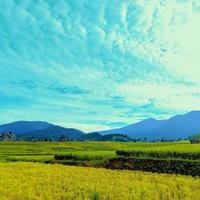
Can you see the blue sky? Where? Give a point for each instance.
(100, 64)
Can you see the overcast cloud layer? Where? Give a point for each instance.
(98, 64)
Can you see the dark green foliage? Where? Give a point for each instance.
(64, 138)
(95, 196)
(160, 154)
(184, 167)
(71, 157)
(110, 137)
(81, 157)
(116, 138)
(195, 139)
(7, 136)
(91, 137)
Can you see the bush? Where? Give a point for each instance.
(195, 139)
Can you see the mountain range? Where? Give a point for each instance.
(177, 127)
(40, 130)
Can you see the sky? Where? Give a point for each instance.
(98, 64)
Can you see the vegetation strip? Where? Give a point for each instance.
(23, 181)
(160, 154)
(171, 166)
(99, 154)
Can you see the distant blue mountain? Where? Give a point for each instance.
(54, 132)
(180, 126)
(21, 127)
(39, 130)
(177, 127)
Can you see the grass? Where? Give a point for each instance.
(27, 180)
(31, 158)
(88, 155)
(161, 154)
(45, 151)
(23, 181)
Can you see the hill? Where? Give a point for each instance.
(177, 127)
(53, 132)
(39, 130)
(21, 127)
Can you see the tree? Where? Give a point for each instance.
(194, 139)
(9, 136)
(64, 138)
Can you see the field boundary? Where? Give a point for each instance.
(184, 167)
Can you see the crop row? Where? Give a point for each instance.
(23, 181)
(85, 155)
(160, 154)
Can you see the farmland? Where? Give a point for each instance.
(45, 151)
(32, 178)
(22, 181)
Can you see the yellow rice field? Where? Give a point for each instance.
(28, 181)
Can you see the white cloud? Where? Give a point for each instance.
(143, 53)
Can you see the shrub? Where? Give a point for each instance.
(195, 139)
